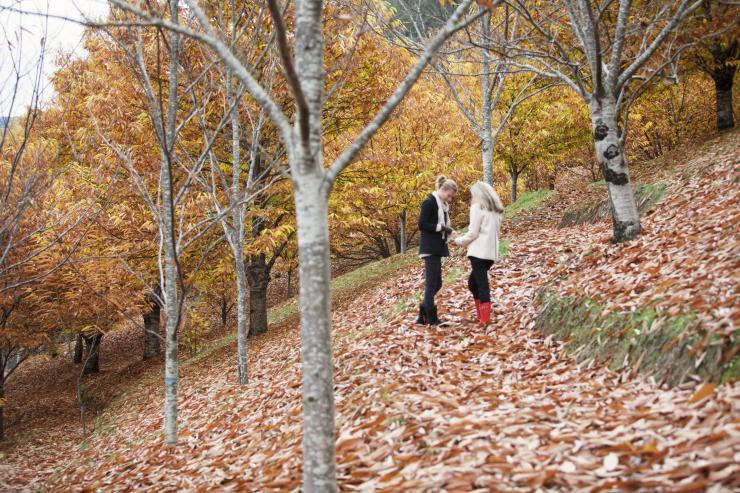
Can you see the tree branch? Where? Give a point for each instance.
(344, 159)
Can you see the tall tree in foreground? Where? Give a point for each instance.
(305, 76)
(607, 52)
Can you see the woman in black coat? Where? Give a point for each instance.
(435, 229)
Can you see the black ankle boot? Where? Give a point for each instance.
(432, 318)
(422, 319)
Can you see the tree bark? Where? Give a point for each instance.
(172, 307)
(152, 346)
(486, 108)
(171, 375)
(224, 309)
(403, 239)
(92, 353)
(514, 183)
(614, 169)
(2, 403)
(487, 150)
(319, 473)
(723, 91)
(77, 356)
(172, 301)
(259, 279)
(242, 312)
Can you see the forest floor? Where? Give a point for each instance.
(456, 408)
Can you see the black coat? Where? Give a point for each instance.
(431, 241)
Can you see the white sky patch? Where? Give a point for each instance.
(20, 44)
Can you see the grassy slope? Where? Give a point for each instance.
(526, 202)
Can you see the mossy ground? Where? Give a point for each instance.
(527, 201)
(647, 195)
(646, 340)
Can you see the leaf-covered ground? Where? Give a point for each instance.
(456, 408)
(687, 259)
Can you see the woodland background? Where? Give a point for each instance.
(82, 260)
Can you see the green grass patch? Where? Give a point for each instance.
(527, 201)
(647, 195)
(660, 343)
(503, 247)
(731, 372)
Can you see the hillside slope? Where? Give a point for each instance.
(455, 408)
(666, 302)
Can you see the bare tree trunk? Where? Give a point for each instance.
(486, 113)
(259, 279)
(403, 239)
(242, 327)
(723, 90)
(289, 293)
(152, 346)
(172, 311)
(514, 185)
(487, 152)
(92, 346)
(77, 356)
(2, 402)
(224, 309)
(169, 239)
(486, 109)
(258, 308)
(613, 164)
(318, 388)
(171, 375)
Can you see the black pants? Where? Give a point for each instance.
(478, 279)
(432, 279)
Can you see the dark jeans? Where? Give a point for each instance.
(478, 280)
(432, 279)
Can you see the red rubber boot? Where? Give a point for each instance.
(485, 313)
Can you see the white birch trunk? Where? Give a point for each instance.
(242, 315)
(316, 350)
(486, 128)
(487, 152)
(311, 202)
(237, 244)
(171, 267)
(172, 307)
(614, 169)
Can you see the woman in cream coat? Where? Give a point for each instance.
(482, 242)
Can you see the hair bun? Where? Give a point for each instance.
(441, 179)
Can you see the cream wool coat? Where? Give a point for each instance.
(483, 232)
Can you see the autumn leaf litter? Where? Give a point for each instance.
(463, 407)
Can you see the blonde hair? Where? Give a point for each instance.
(444, 183)
(486, 197)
